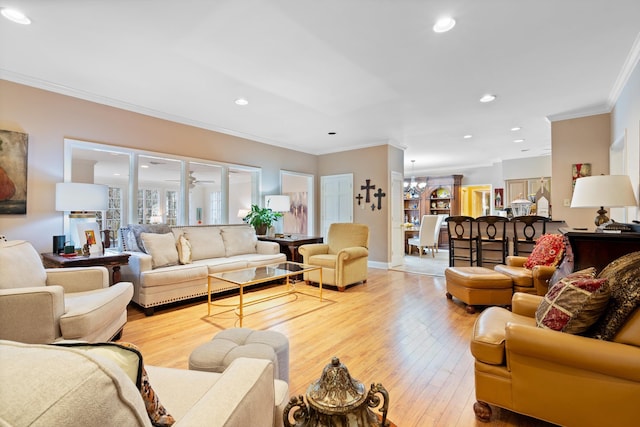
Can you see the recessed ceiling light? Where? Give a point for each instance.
(444, 24)
(515, 129)
(241, 101)
(15, 16)
(468, 136)
(144, 166)
(487, 98)
(518, 140)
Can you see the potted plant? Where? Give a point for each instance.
(261, 218)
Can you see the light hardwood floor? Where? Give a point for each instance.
(398, 329)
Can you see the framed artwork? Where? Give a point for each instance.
(498, 197)
(89, 233)
(13, 172)
(578, 170)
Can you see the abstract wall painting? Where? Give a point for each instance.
(13, 172)
(578, 170)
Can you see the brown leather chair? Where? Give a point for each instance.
(565, 379)
(531, 281)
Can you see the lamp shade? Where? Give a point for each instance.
(75, 196)
(278, 203)
(613, 191)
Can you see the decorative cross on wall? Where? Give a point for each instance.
(367, 187)
(379, 195)
(367, 199)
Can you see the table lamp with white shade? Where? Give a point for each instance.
(82, 201)
(613, 191)
(278, 203)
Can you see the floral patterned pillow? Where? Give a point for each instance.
(548, 251)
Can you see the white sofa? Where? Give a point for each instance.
(52, 385)
(164, 275)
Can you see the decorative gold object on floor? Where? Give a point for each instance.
(336, 399)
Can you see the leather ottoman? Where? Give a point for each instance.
(478, 286)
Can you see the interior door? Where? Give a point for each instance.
(336, 200)
(397, 220)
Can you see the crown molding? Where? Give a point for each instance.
(626, 71)
(582, 112)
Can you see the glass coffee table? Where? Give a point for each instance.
(255, 275)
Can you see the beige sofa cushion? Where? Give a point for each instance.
(239, 240)
(206, 242)
(20, 265)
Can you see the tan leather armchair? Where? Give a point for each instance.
(343, 258)
(534, 281)
(565, 379)
(40, 306)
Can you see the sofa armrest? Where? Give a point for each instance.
(78, 279)
(353, 253)
(267, 248)
(313, 249)
(31, 315)
(139, 262)
(243, 396)
(516, 261)
(541, 275)
(525, 304)
(571, 352)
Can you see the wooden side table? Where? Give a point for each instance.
(289, 245)
(111, 260)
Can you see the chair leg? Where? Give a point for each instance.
(482, 411)
(420, 249)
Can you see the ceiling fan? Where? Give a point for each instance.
(193, 180)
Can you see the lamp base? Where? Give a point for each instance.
(602, 217)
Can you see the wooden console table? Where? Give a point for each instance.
(111, 260)
(599, 249)
(289, 245)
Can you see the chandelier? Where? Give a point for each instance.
(414, 187)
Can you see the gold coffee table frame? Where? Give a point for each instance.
(255, 275)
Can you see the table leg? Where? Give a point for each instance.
(241, 302)
(320, 285)
(208, 296)
(116, 276)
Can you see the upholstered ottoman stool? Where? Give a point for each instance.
(230, 344)
(477, 286)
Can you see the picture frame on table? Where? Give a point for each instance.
(89, 234)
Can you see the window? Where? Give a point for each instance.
(171, 207)
(148, 206)
(172, 189)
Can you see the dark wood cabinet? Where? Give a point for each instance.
(589, 249)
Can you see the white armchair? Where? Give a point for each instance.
(39, 305)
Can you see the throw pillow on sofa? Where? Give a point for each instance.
(574, 303)
(134, 240)
(548, 251)
(161, 247)
(623, 275)
(184, 250)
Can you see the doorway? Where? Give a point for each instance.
(476, 200)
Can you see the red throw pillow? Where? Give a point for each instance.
(574, 303)
(548, 251)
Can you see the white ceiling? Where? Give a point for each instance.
(372, 71)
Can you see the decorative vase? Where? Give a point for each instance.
(337, 400)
